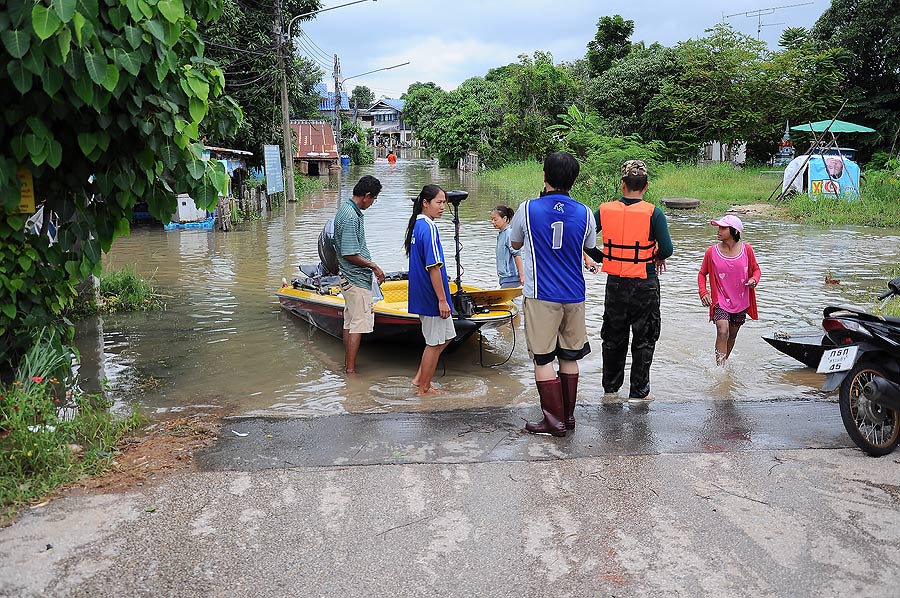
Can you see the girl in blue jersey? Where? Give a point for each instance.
(509, 262)
(429, 291)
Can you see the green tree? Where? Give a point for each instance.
(453, 123)
(532, 93)
(362, 97)
(419, 101)
(870, 32)
(103, 103)
(715, 94)
(610, 43)
(624, 94)
(242, 41)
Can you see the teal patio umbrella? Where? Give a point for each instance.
(837, 126)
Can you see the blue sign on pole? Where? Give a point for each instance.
(274, 176)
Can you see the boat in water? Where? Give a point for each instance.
(316, 297)
(805, 347)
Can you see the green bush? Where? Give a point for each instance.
(50, 436)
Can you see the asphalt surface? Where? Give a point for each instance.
(388, 505)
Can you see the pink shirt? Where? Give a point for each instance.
(731, 276)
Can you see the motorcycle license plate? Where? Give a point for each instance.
(837, 360)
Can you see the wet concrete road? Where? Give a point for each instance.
(665, 500)
(481, 435)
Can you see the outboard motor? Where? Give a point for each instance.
(327, 254)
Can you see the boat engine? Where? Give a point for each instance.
(327, 253)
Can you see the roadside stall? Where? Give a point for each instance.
(826, 169)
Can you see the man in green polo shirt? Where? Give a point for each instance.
(356, 267)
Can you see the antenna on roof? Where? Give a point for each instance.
(759, 14)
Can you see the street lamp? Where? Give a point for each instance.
(285, 111)
(315, 12)
(386, 68)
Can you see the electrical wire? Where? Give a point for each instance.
(511, 351)
(316, 46)
(242, 50)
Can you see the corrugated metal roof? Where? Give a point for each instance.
(327, 98)
(315, 139)
(392, 103)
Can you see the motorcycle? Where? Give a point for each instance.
(866, 366)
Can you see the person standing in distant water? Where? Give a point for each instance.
(391, 157)
(356, 267)
(555, 229)
(509, 261)
(429, 290)
(733, 275)
(636, 244)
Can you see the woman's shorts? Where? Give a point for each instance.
(737, 319)
(437, 330)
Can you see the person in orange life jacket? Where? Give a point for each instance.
(636, 244)
(733, 276)
(552, 231)
(391, 157)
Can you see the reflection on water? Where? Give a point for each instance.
(223, 342)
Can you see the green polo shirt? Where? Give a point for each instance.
(350, 239)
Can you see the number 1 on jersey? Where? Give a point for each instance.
(557, 234)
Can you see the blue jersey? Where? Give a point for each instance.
(555, 230)
(425, 251)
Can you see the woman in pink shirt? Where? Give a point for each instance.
(734, 274)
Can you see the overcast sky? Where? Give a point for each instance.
(448, 41)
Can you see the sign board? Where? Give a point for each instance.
(833, 176)
(26, 193)
(274, 176)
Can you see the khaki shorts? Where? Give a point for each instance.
(550, 326)
(437, 330)
(359, 318)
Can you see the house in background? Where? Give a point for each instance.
(387, 120)
(326, 102)
(316, 146)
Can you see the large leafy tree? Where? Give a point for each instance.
(870, 31)
(624, 93)
(802, 83)
(715, 94)
(452, 123)
(611, 42)
(362, 97)
(532, 93)
(243, 42)
(420, 100)
(103, 101)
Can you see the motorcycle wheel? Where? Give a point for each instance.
(873, 428)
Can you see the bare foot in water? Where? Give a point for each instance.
(431, 390)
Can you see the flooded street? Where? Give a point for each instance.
(224, 343)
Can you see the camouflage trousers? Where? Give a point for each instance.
(631, 304)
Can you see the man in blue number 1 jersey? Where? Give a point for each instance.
(554, 230)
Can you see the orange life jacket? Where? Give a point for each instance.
(627, 248)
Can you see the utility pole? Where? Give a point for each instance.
(287, 146)
(337, 102)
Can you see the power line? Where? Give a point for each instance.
(322, 52)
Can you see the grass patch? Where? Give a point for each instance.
(51, 436)
(717, 186)
(879, 204)
(890, 309)
(120, 291)
(515, 182)
(306, 185)
(720, 187)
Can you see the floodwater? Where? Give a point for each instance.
(224, 344)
